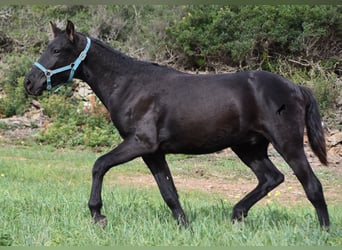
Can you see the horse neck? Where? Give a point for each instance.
(104, 70)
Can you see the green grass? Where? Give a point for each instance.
(44, 195)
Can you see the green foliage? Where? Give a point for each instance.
(5, 239)
(71, 125)
(14, 101)
(13, 68)
(251, 34)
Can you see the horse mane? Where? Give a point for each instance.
(124, 57)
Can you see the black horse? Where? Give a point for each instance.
(158, 110)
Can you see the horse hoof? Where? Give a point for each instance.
(101, 221)
(237, 221)
(238, 215)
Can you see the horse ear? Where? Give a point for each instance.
(70, 30)
(54, 29)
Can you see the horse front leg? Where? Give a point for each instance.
(124, 152)
(161, 172)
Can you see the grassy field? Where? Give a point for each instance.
(44, 194)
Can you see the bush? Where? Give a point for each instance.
(72, 126)
(251, 35)
(14, 100)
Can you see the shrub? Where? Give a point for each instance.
(14, 102)
(71, 125)
(249, 35)
(13, 68)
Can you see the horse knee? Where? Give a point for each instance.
(99, 168)
(272, 180)
(278, 179)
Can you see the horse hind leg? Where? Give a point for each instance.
(294, 155)
(255, 157)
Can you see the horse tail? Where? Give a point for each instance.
(314, 126)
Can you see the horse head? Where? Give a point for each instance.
(59, 61)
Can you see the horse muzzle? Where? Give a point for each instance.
(31, 89)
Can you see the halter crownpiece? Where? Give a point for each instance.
(72, 67)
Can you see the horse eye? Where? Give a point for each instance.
(56, 51)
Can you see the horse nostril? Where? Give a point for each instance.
(27, 84)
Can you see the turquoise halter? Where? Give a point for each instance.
(72, 67)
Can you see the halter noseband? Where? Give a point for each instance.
(72, 67)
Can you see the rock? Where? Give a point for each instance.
(334, 138)
(36, 104)
(339, 101)
(82, 90)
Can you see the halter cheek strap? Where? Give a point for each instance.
(72, 67)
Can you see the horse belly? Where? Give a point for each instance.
(202, 136)
(203, 144)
